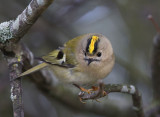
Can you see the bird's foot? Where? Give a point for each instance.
(89, 91)
(94, 93)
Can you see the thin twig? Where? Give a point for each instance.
(156, 60)
(155, 68)
(156, 72)
(129, 89)
(150, 17)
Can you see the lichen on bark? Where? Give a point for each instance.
(5, 31)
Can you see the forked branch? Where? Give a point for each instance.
(10, 34)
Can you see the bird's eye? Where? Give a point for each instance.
(60, 55)
(85, 53)
(99, 54)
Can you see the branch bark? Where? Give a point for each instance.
(12, 31)
(155, 110)
(131, 90)
(10, 34)
(110, 88)
(27, 18)
(156, 67)
(16, 89)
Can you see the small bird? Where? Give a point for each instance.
(84, 60)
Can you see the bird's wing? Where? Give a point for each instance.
(65, 56)
(57, 57)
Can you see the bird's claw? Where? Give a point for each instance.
(94, 93)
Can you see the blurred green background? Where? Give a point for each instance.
(124, 22)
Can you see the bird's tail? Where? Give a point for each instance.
(34, 69)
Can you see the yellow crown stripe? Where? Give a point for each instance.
(91, 46)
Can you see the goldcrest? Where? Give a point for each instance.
(83, 60)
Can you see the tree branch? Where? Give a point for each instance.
(155, 106)
(129, 89)
(16, 89)
(12, 31)
(10, 34)
(156, 67)
(27, 18)
(110, 88)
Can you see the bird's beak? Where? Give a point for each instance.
(90, 60)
